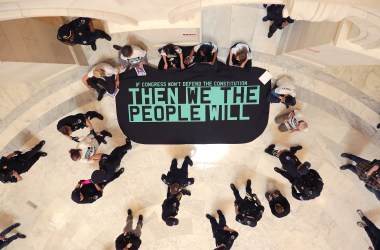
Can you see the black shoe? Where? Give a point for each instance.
(16, 225)
(107, 37)
(141, 218)
(345, 155)
(93, 46)
(220, 213)
(174, 161)
(96, 115)
(117, 47)
(233, 187)
(106, 133)
(128, 143)
(277, 170)
(248, 188)
(269, 149)
(265, 5)
(269, 36)
(129, 212)
(121, 171)
(43, 154)
(265, 19)
(187, 158)
(17, 152)
(22, 236)
(208, 216)
(344, 167)
(101, 95)
(378, 125)
(41, 143)
(296, 148)
(185, 192)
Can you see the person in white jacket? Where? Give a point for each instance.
(284, 91)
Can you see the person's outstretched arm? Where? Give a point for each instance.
(215, 56)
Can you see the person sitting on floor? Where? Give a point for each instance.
(203, 53)
(131, 56)
(292, 121)
(283, 91)
(240, 56)
(171, 57)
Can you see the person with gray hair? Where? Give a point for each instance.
(292, 121)
(131, 56)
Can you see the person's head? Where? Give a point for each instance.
(279, 208)
(99, 72)
(77, 196)
(304, 168)
(302, 125)
(169, 49)
(66, 130)
(174, 188)
(98, 176)
(242, 54)
(65, 32)
(250, 221)
(171, 221)
(288, 100)
(205, 50)
(126, 51)
(75, 154)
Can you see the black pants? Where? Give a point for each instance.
(118, 153)
(96, 35)
(373, 232)
(98, 138)
(27, 159)
(285, 174)
(108, 84)
(6, 241)
(182, 172)
(215, 226)
(114, 177)
(185, 53)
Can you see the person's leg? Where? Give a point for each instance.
(294, 150)
(214, 224)
(248, 188)
(222, 219)
(371, 236)
(137, 230)
(119, 152)
(31, 162)
(272, 29)
(185, 166)
(285, 174)
(93, 114)
(8, 241)
(161, 64)
(281, 118)
(371, 226)
(374, 191)
(128, 227)
(350, 167)
(8, 229)
(283, 128)
(114, 176)
(272, 98)
(238, 198)
(174, 164)
(352, 157)
(101, 34)
(28, 155)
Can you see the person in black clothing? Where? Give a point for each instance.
(176, 178)
(4, 242)
(372, 231)
(290, 162)
(224, 236)
(278, 204)
(274, 13)
(130, 239)
(305, 187)
(72, 123)
(81, 31)
(109, 163)
(248, 210)
(172, 56)
(88, 192)
(17, 163)
(170, 206)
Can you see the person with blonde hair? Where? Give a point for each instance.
(103, 78)
(292, 121)
(240, 56)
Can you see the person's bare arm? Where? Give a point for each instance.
(226, 228)
(96, 157)
(181, 61)
(372, 170)
(165, 62)
(230, 60)
(91, 26)
(84, 80)
(11, 155)
(215, 56)
(98, 188)
(187, 60)
(236, 210)
(243, 64)
(117, 79)
(18, 177)
(88, 124)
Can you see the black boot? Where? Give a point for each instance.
(270, 150)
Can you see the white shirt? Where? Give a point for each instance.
(89, 145)
(108, 69)
(239, 47)
(294, 120)
(177, 49)
(214, 47)
(286, 87)
(137, 55)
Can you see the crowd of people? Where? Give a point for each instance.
(306, 183)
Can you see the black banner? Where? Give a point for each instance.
(204, 104)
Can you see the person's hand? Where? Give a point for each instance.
(187, 60)
(129, 245)
(182, 66)
(165, 66)
(14, 173)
